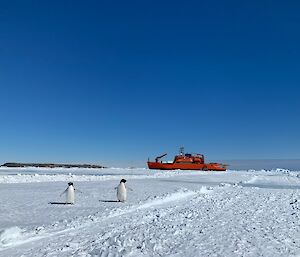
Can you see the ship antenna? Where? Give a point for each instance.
(181, 150)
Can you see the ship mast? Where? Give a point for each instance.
(181, 150)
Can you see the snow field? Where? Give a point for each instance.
(36, 177)
(182, 214)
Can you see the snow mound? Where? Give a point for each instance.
(180, 194)
(252, 180)
(282, 170)
(10, 235)
(205, 190)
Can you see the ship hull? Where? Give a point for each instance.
(186, 166)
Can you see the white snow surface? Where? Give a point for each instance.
(168, 213)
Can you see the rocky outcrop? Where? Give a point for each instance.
(50, 165)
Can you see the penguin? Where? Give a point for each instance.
(70, 193)
(122, 191)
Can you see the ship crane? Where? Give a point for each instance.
(159, 157)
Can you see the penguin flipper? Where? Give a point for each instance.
(63, 192)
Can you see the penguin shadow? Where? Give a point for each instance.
(109, 201)
(60, 203)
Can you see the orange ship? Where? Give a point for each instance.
(185, 162)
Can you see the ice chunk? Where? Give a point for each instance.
(10, 235)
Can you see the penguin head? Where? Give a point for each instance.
(123, 180)
(70, 183)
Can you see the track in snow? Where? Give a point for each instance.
(18, 238)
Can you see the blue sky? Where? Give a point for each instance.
(116, 82)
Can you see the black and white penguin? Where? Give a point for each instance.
(70, 193)
(122, 191)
